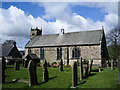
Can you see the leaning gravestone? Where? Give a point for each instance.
(45, 72)
(74, 75)
(32, 73)
(81, 69)
(61, 65)
(17, 66)
(3, 69)
(91, 63)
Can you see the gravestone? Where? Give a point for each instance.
(81, 69)
(74, 75)
(91, 63)
(32, 73)
(45, 72)
(87, 69)
(119, 70)
(17, 66)
(61, 65)
(3, 69)
(26, 63)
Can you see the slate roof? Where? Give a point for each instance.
(32, 56)
(73, 38)
(5, 49)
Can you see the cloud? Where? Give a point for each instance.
(17, 23)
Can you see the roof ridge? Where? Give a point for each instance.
(70, 32)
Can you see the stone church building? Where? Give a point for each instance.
(90, 45)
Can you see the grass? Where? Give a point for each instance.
(57, 79)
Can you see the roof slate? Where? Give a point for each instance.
(5, 49)
(73, 38)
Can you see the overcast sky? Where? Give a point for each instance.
(18, 18)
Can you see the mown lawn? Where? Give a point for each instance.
(57, 79)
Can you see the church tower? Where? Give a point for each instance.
(35, 32)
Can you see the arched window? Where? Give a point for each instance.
(76, 53)
(59, 53)
(42, 56)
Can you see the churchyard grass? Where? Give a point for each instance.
(58, 79)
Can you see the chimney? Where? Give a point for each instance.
(35, 32)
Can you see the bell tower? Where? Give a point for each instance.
(35, 32)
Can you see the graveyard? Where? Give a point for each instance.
(106, 78)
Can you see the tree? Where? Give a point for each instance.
(113, 42)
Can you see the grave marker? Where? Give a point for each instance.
(17, 66)
(32, 73)
(81, 69)
(61, 65)
(91, 63)
(45, 72)
(3, 69)
(74, 75)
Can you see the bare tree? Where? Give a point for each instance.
(113, 40)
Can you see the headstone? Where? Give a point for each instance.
(45, 72)
(119, 70)
(112, 64)
(61, 65)
(26, 63)
(87, 69)
(91, 63)
(3, 69)
(17, 66)
(81, 69)
(32, 73)
(74, 74)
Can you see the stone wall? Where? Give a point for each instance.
(87, 52)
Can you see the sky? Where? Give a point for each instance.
(17, 18)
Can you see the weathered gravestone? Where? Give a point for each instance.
(26, 63)
(119, 70)
(45, 72)
(61, 65)
(74, 75)
(81, 69)
(91, 63)
(17, 66)
(3, 69)
(32, 73)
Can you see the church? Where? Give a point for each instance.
(70, 47)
